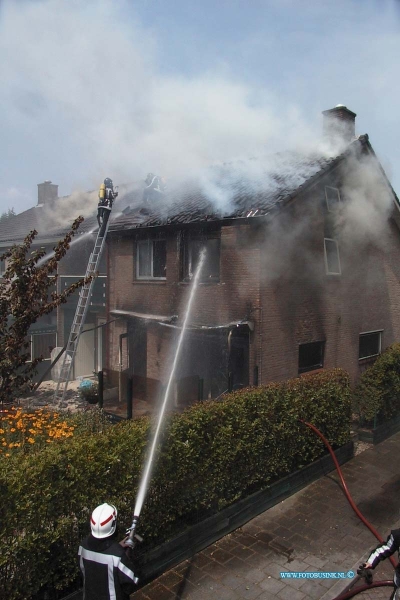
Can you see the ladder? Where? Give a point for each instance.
(79, 318)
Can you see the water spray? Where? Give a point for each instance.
(146, 474)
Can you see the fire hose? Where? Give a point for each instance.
(349, 593)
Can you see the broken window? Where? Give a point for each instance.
(332, 260)
(311, 356)
(370, 344)
(151, 259)
(192, 248)
(332, 196)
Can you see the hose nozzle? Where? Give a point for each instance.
(130, 541)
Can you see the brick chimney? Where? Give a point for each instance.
(47, 192)
(339, 125)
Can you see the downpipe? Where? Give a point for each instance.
(353, 592)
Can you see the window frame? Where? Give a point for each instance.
(365, 333)
(330, 187)
(30, 339)
(315, 367)
(187, 273)
(326, 257)
(151, 242)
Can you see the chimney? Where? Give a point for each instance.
(47, 192)
(339, 125)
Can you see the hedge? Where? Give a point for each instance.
(211, 455)
(377, 395)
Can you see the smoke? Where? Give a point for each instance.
(367, 202)
(91, 82)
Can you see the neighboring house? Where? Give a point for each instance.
(52, 218)
(301, 273)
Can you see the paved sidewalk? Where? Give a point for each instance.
(314, 530)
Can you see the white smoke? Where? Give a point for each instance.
(78, 72)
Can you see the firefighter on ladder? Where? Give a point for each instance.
(107, 195)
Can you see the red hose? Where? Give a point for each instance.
(363, 588)
(346, 491)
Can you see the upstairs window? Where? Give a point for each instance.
(192, 248)
(151, 259)
(332, 196)
(370, 344)
(332, 260)
(311, 356)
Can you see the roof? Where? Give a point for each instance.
(235, 190)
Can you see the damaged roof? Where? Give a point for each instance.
(240, 189)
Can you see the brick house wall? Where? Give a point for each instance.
(272, 273)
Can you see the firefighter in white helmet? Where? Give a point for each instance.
(107, 571)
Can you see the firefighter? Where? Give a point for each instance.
(381, 552)
(107, 571)
(107, 196)
(154, 183)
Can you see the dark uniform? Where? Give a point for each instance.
(106, 569)
(107, 196)
(384, 550)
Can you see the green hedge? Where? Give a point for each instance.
(212, 454)
(377, 395)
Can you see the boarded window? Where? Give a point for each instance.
(332, 196)
(191, 255)
(151, 259)
(311, 356)
(332, 260)
(370, 344)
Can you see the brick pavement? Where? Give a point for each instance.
(313, 530)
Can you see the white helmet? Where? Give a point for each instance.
(103, 520)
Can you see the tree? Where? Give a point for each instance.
(25, 295)
(6, 215)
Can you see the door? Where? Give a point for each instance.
(84, 357)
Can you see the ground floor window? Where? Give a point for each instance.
(311, 356)
(42, 344)
(370, 344)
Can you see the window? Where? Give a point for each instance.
(370, 344)
(332, 260)
(332, 196)
(42, 344)
(191, 254)
(151, 259)
(311, 356)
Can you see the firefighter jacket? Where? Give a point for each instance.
(107, 571)
(386, 549)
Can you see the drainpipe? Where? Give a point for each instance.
(260, 338)
(122, 335)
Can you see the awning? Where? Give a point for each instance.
(227, 326)
(129, 314)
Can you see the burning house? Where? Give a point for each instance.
(301, 271)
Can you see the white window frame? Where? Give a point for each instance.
(326, 257)
(329, 187)
(148, 277)
(378, 331)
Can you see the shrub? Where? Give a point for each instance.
(211, 455)
(89, 391)
(377, 394)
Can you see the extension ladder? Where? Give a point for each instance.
(80, 316)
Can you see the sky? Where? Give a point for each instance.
(101, 88)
